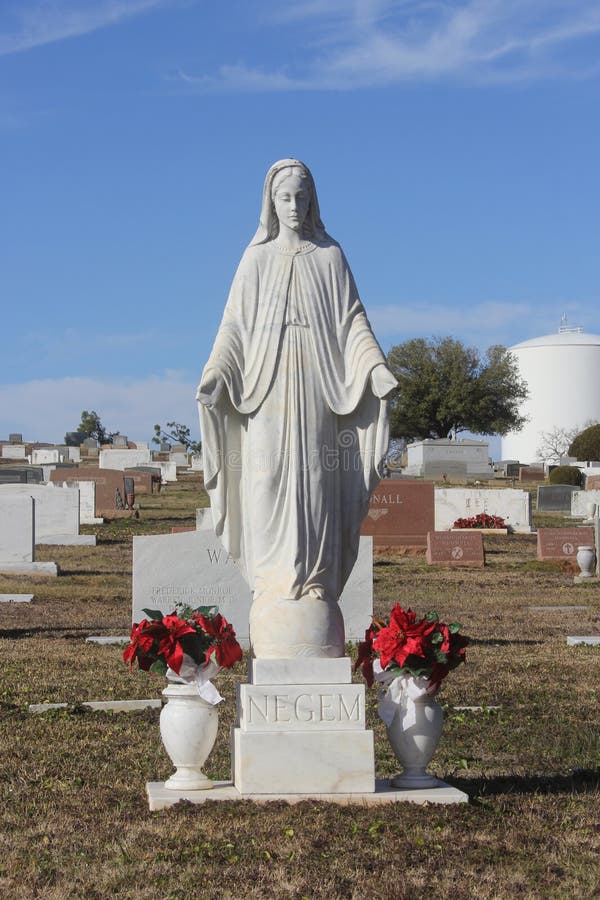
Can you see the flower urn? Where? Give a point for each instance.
(414, 731)
(188, 728)
(586, 556)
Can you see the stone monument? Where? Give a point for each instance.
(294, 422)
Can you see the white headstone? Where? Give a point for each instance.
(193, 568)
(44, 455)
(56, 512)
(514, 506)
(432, 457)
(13, 451)
(87, 500)
(123, 459)
(582, 502)
(17, 536)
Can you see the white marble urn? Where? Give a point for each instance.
(414, 731)
(188, 728)
(586, 557)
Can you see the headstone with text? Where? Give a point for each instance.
(455, 548)
(514, 506)
(193, 568)
(562, 543)
(401, 512)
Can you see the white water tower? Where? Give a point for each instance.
(562, 372)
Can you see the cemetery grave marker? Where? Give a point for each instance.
(193, 568)
(400, 513)
(562, 543)
(458, 548)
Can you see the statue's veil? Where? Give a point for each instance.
(268, 227)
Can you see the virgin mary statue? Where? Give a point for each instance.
(294, 422)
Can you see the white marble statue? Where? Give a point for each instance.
(294, 422)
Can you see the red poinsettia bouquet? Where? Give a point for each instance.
(406, 645)
(481, 520)
(194, 645)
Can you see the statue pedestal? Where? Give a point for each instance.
(301, 729)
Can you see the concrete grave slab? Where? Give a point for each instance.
(160, 797)
(16, 598)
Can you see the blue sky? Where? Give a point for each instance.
(454, 144)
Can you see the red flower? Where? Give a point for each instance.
(446, 637)
(403, 637)
(225, 647)
(143, 637)
(169, 646)
(366, 654)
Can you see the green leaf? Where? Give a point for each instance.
(206, 610)
(159, 667)
(437, 637)
(154, 614)
(453, 627)
(432, 616)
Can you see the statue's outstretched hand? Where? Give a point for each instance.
(209, 389)
(382, 381)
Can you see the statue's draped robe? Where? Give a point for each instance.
(293, 446)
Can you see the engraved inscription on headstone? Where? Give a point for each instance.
(562, 543)
(455, 548)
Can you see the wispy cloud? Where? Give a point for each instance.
(481, 324)
(44, 409)
(32, 23)
(367, 43)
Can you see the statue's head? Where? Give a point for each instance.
(285, 177)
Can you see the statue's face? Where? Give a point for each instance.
(291, 201)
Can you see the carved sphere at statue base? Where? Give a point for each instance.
(284, 629)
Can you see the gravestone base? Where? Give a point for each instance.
(301, 729)
(29, 568)
(160, 797)
(69, 540)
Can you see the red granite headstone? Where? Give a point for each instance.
(531, 473)
(108, 481)
(401, 512)
(455, 548)
(562, 543)
(592, 483)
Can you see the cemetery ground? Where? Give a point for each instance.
(525, 747)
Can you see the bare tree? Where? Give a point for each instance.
(555, 443)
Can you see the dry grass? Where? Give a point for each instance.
(76, 822)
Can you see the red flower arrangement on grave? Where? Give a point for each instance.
(481, 520)
(161, 642)
(405, 645)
